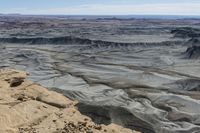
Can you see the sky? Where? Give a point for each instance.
(101, 7)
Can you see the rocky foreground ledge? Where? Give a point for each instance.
(28, 107)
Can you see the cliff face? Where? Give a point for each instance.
(193, 52)
(28, 107)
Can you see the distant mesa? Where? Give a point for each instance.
(194, 41)
(186, 32)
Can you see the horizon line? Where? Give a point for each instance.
(99, 14)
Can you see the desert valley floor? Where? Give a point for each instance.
(143, 74)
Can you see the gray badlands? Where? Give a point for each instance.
(142, 74)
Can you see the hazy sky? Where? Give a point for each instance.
(101, 7)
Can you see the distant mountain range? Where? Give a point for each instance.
(110, 17)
